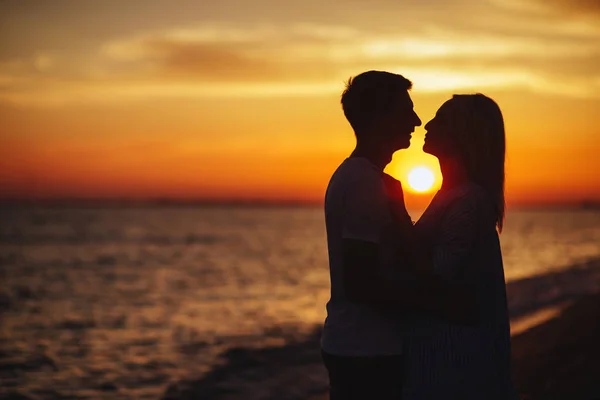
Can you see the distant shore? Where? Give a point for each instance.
(230, 202)
(118, 203)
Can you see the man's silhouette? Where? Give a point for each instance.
(362, 346)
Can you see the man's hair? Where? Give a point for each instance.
(370, 94)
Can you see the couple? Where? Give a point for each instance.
(417, 312)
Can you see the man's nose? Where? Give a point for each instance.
(418, 121)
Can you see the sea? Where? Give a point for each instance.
(213, 302)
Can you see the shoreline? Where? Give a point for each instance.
(557, 359)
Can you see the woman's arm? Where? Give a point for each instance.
(428, 294)
(431, 265)
(365, 217)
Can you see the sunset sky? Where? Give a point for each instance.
(238, 99)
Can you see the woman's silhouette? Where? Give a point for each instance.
(457, 239)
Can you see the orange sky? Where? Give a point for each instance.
(195, 100)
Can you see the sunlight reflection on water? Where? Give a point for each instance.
(119, 303)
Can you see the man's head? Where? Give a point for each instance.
(379, 109)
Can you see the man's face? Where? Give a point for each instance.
(397, 126)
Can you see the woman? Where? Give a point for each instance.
(458, 233)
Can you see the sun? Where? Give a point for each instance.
(421, 179)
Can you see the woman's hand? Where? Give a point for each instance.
(417, 256)
(395, 194)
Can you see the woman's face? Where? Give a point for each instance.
(439, 136)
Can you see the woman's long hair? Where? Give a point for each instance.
(479, 128)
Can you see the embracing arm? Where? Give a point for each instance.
(365, 285)
(367, 220)
(430, 266)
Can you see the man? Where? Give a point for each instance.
(362, 337)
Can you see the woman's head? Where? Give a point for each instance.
(469, 128)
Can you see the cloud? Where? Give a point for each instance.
(299, 50)
(589, 8)
(222, 53)
(209, 60)
(302, 59)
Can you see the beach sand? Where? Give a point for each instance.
(560, 359)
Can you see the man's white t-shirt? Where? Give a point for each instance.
(356, 207)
